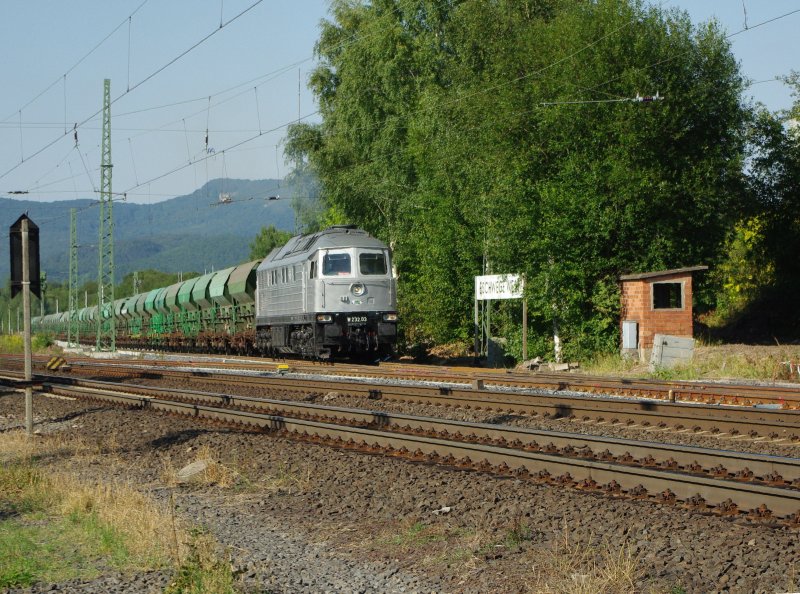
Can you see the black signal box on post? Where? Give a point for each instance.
(15, 234)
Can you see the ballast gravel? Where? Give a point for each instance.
(310, 518)
(742, 443)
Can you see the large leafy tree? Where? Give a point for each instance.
(267, 239)
(502, 137)
(761, 273)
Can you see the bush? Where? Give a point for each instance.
(13, 343)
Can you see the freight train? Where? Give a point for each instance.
(324, 295)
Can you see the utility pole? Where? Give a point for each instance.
(25, 278)
(106, 332)
(26, 306)
(72, 328)
(137, 282)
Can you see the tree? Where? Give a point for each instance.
(266, 240)
(760, 277)
(490, 137)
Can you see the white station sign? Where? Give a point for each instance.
(499, 286)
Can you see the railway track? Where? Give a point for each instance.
(786, 397)
(759, 487)
(773, 424)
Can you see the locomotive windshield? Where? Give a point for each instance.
(372, 263)
(336, 264)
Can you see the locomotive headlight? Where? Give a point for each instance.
(324, 318)
(391, 317)
(358, 289)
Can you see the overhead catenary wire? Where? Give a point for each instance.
(593, 43)
(21, 149)
(568, 102)
(80, 61)
(595, 88)
(208, 156)
(342, 43)
(129, 53)
(258, 112)
(277, 72)
(144, 80)
(193, 47)
(86, 169)
(59, 164)
(729, 36)
(133, 161)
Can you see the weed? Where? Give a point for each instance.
(288, 480)
(417, 534)
(580, 569)
(202, 571)
(766, 363)
(517, 534)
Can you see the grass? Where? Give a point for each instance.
(202, 571)
(13, 343)
(563, 566)
(215, 472)
(416, 535)
(438, 544)
(287, 480)
(55, 527)
(763, 363)
(582, 569)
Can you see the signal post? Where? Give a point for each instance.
(24, 237)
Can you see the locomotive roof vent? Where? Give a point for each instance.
(346, 228)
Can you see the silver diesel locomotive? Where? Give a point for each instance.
(326, 294)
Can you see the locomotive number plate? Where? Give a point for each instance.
(356, 319)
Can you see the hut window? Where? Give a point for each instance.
(667, 295)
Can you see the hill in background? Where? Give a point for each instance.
(192, 233)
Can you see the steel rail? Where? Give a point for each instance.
(708, 392)
(749, 421)
(775, 470)
(726, 496)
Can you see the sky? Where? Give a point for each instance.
(237, 68)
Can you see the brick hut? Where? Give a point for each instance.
(656, 303)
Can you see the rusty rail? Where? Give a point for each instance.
(763, 486)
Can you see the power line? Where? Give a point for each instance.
(207, 156)
(78, 63)
(269, 76)
(679, 54)
(350, 39)
(144, 80)
(355, 36)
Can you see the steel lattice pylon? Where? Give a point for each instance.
(106, 332)
(72, 328)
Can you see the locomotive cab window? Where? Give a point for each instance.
(372, 263)
(667, 295)
(336, 264)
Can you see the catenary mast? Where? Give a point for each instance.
(106, 332)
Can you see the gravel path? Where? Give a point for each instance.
(313, 519)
